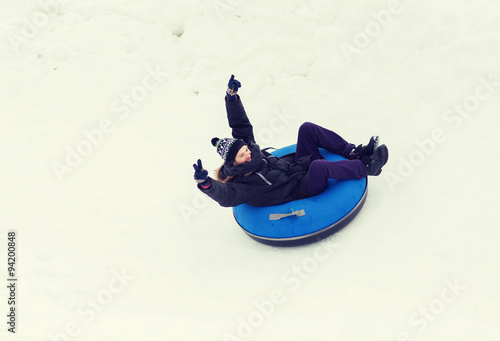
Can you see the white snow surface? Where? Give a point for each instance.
(105, 106)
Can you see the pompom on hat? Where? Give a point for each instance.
(227, 148)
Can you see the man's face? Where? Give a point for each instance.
(244, 155)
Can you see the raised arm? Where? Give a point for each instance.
(236, 115)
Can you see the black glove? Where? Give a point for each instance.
(232, 89)
(201, 175)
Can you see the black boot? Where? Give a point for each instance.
(375, 162)
(362, 152)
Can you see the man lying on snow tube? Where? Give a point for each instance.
(255, 177)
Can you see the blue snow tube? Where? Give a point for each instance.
(307, 220)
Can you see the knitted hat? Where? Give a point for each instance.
(227, 148)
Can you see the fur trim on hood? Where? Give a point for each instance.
(219, 176)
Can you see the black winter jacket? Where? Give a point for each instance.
(265, 180)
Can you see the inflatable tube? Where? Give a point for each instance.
(308, 220)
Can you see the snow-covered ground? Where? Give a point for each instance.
(105, 106)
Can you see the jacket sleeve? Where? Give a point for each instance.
(238, 120)
(228, 194)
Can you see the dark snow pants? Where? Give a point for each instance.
(311, 137)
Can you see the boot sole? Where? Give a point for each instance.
(375, 141)
(383, 160)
